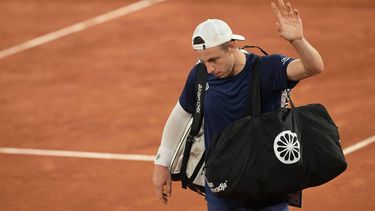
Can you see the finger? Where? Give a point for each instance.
(296, 13)
(289, 9)
(282, 7)
(168, 188)
(159, 192)
(281, 4)
(165, 199)
(276, 11)
(162, 198)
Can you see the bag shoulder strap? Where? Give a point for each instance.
(254, 93)
(254, 98)
(200, 89)
(197, 120)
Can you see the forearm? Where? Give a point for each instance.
(172, 132)
(310, 58)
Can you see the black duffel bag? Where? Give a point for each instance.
(265, 156)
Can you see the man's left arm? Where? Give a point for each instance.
(309, 63)
(289, 27)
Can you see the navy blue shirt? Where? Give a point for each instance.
(226, 99)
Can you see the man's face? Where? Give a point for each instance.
(218, 61)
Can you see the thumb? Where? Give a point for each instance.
(278, 27)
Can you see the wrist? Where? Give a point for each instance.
(164, 156)
(297, 41)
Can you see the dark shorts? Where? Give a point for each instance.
(276, 207)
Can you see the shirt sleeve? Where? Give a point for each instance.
(188, 95)
(275, 72)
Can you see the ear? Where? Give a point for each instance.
(232, 46)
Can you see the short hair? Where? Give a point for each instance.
(225, 46)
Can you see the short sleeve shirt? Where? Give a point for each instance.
(226, 99)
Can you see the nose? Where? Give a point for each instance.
(210, 68)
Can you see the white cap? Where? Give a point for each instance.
(213, 32)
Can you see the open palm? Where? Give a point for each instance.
(289, 23)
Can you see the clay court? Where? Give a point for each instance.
(108, 85)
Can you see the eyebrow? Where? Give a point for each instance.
(213, 59)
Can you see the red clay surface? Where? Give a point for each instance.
(110, 88)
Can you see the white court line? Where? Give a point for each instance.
(359, 145)
(78, 27)
(76, 154)
(111, 156)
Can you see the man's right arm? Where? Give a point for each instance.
(172, 132)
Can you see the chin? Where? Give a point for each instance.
(221, 75)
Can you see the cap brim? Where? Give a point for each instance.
(238, 37)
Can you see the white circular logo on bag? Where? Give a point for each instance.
(287, 148)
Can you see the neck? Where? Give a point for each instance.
(239, 61)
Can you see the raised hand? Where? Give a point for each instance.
(289, 23)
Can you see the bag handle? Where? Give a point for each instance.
(197, 120)
(254, 106)
(255, 96)
(254, 92)
(254, 46)
(294, 119)
(290, 99)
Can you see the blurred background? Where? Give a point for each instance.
(103, 75)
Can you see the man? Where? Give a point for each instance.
(225, 99)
